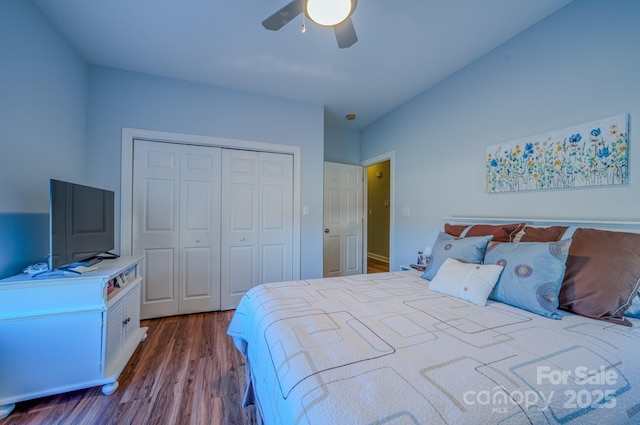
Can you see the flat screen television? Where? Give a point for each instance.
(81, 223)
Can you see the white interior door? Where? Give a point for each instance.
(257, 221)
(176, 216)
(342, 243)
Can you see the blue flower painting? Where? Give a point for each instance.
(590, 154)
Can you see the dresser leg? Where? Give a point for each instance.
(108, 389)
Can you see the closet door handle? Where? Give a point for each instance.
(326, 230)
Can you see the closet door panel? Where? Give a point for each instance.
(242, 203)
(159, 269)
(276, 217)
(211, 222)
(274, 257)
(155, 224)
(273, 205)
(159, 212)
(239, 225)
(200, 229)
(257, 221)
(176, 225)
(241, 274)
(197, 272)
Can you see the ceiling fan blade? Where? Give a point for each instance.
(283, 16)
(345, 34)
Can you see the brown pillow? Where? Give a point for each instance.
(543, 234)
(602, 275)
(500, 232)
(454, 229)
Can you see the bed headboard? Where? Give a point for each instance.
(620, 226)
(602, 274)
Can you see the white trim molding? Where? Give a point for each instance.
(392, 181)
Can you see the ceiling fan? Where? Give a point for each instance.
(317, 11)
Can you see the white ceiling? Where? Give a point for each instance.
(404, 46)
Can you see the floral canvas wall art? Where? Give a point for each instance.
(590, 154)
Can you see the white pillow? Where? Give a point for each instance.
(467, 281)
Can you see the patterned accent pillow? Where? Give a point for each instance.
(469, 250)
(469, 282)
(532, 276)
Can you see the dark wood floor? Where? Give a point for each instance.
(376, 266)
(187, 371)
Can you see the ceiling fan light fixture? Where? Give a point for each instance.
(328, 12)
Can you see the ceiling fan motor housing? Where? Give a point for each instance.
(344, 30)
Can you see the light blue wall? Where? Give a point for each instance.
(43, 101)
(341, 145)
(60, 118)
(578, 65)
(126, 99)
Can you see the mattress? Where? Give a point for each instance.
(383, 348)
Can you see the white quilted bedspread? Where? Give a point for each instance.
(383, 349)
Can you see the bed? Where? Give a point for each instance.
(388, 348)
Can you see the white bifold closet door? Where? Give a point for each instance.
(176, 226)
(211, 223)
(257, 221)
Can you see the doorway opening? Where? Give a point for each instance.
(378, 216)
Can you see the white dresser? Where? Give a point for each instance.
(62, 332)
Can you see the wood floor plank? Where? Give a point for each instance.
(187, 372)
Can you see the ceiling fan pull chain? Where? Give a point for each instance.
(304, 29)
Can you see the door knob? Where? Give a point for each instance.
(198, 239)
(326, 230)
